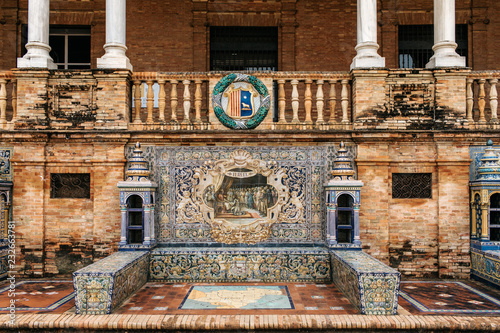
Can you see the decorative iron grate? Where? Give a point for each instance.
(411, 185)
(243, 48)
(70, 185)
(416, 41)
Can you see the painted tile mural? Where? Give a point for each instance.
(240, 196)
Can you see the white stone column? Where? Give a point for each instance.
(38, 37)
(115, 37)
(367, 56)
(444, 36)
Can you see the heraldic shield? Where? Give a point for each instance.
(240, 103)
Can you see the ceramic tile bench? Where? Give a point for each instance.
(370, 285)
(236, 264)
(104, 285)
(485, 265)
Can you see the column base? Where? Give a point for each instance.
(446, 60)
(114, 63)
(36, 63)
(368, 62)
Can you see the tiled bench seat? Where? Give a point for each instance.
(370, 285)
(104, 285)
(486, 265)
(236, 264)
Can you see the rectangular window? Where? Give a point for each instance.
(411, 185)
(243, 48)
(416, 41)
(70, 46)
(70, 185)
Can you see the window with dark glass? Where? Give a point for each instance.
(495, 217)
(411, 185)
(243, 48)
(345, 219)
(415, 44)
(70, 46)
(135, 223)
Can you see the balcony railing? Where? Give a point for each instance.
(8, 98)
(173, 101)
(142, 101)
(482, 99)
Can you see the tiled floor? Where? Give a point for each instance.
(39, 296)
(416, 298)
(449, 297)
(158, 298)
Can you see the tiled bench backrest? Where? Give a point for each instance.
(369, 284)
(486, 265)
(104, 285)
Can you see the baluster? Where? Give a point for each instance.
(493, 100)
(197, 101)
(187, 101)
(345, 101)
(481, 101)
(14, 100)
(332, 100)
(150, 99)
(320, 102)
(137, 102)
(308, 102)
(295, 101)
(281, 101)
(3, 102)
(470, 100)
(173, 100)
(161, 100)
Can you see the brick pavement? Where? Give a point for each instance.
(68, 321)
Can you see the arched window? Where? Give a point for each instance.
(495, 217)
(135, 223)
(345, 219)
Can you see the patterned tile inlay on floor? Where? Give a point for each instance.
(39, 296)
(237, 297)
(446, 297)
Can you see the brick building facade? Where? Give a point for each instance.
(400, 120)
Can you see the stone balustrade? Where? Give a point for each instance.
(173, 101)
(397, 99)
(482, 99)
(8, 102)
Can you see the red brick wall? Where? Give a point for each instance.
(173, 35)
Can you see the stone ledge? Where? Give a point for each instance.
(228, 323)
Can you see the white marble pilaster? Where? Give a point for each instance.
(115, 37)
(38, 37)
(444, 36)
(366, 48)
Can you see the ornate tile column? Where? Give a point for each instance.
(444, 36)
(137, 201)
(343, 215)
(367, 56)
(115, 37)
(38, 37)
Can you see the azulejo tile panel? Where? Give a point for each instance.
(486, 265)
(370, 285)
(239, 264)
(5, 165)
(185, 213)
(104, 285)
